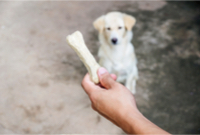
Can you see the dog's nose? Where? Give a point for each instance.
(114, 40)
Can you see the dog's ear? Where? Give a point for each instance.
(99, 23)
(129, 21)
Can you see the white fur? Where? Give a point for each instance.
(119, 59)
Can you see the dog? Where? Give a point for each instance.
(116, 52)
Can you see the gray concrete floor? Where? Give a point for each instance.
(40, 75)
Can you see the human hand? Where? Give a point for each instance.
(110, 98)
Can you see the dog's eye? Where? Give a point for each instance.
(108, 28)
(119, 28)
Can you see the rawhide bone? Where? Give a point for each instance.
(76, 42)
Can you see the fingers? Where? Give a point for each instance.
(113, 76)
(88, 85)
(105, 82)
(105, 78)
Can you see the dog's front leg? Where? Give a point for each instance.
(131, 84)
(131, 80)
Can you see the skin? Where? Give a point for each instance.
(116, 103)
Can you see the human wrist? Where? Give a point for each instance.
(133, 120)
(129, 119)
(136, 123)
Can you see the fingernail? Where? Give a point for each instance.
(102, 71)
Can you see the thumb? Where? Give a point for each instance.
(105, 78)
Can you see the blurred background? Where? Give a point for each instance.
(40, 74)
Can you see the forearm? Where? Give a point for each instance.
(136, 123)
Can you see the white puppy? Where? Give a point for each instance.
(116, 52)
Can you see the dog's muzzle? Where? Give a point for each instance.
(114, 41)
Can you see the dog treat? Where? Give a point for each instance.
(77, 43)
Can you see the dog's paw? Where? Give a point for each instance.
(131, 87)
(133, 90)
